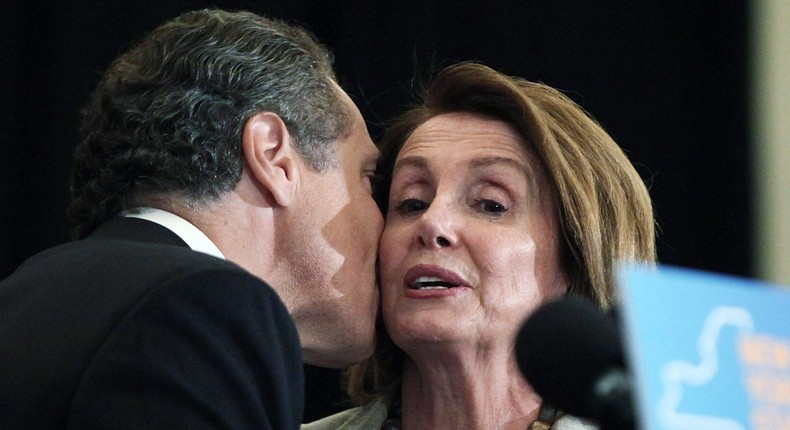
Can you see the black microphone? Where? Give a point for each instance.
(571, 354)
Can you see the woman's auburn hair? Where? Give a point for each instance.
(606, 214)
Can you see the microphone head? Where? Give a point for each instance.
(563, 349)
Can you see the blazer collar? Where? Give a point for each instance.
(137, 229)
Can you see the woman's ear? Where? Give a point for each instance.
(273, 162)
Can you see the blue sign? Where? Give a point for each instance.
(707, 351)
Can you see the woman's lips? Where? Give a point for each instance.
(430, 277)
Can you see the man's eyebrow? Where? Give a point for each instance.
(371, 156)
(376, 154)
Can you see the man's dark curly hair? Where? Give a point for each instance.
(165, 122)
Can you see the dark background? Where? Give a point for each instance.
(666, 79)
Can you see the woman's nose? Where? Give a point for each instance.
(437, 228)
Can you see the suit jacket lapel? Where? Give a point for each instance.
(138, 230)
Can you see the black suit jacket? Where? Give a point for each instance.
(129, 328)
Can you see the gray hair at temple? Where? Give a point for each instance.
(164, 123)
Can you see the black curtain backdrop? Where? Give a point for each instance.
(666, 79)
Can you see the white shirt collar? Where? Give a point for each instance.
(196, 239)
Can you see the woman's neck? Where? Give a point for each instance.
(477, 391)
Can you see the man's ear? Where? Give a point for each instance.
(266, 144)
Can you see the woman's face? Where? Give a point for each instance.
(471, 239)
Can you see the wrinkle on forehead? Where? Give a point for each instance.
(482, 131)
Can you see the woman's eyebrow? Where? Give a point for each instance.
(496, 160)
(413, 161)
(420, 163)
(530, 173)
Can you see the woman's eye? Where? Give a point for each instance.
(411, 205)
(491, 206)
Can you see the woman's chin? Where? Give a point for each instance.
(437, 329)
